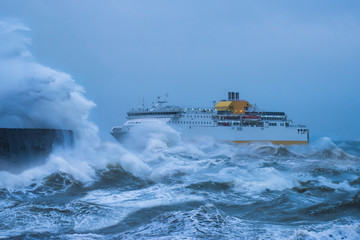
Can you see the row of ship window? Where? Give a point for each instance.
(189, 122)
(186, 122)
(201, 116)
(247, 123)
(133, 123)
(272, 118)
(152, 113)
(275, 124)
(302, 130)
(199, 109)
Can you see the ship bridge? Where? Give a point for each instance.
(158, 112)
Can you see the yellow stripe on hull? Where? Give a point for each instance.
(277, 142)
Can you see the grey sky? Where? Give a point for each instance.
(301, 57)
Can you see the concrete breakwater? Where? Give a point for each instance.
(21, 148)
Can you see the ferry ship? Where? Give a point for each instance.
(229, 120)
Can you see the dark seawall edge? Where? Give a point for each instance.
(21, 148)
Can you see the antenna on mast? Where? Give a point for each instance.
(164, 100)
(160, 101)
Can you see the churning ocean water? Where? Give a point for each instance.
(161, 186)
(157, 184)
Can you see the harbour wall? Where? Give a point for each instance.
(21, 148)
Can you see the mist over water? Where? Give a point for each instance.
(35, 96)
(188, 190)
(158, 185)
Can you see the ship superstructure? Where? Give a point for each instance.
(229, 120)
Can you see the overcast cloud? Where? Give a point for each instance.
(301, 57)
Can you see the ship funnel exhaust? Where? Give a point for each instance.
(233, 96)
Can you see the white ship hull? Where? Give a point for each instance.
(277, 135)
(274, 134)
(232, 120)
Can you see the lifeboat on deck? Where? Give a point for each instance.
(250, 118)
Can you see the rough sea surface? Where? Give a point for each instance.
(165, 187)
(157, 184)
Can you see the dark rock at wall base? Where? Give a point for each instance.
(21, 148)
